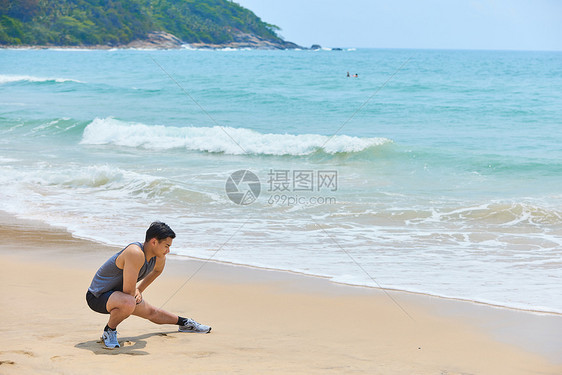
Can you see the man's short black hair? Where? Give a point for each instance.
(160, 231)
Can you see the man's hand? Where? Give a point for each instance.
(138, 296)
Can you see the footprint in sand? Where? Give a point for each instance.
(23, 352)
(166, 336)
(57, 358)
(50, 336)
(202, 354)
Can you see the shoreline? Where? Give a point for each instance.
(146, 48)
(367, 287)
(163, 41)
(6, 217)
(195, 46)
(180, 46)
(439, 325)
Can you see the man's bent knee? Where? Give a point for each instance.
(122, 301)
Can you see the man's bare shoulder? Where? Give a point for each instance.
(132, 254)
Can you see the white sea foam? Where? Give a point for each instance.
(495, 213)
(83, 198)
(7, 78)
(7, 160)
(49, 124)
(107, 203)
(105, 131)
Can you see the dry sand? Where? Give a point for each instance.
(264, 322)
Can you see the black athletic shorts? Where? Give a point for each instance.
(98, 304)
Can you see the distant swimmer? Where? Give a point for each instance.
(348, 74)
(356, 75)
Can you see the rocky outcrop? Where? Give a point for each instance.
(243, 40)
(156, 40)
(164, 40)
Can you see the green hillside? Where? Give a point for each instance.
(118, 22)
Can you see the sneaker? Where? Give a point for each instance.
(192, 326)
(109, 338)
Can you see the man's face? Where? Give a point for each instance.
(163, 247)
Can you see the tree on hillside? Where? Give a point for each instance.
(23, 10)
(118, 22)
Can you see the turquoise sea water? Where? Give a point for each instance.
(441, 177)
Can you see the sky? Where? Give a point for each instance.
(426, 24)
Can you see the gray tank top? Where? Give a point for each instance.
(110, 277)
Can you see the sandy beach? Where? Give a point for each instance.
(264, 322)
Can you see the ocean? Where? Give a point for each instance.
(437, 172)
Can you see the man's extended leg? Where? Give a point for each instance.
(159, 316)
(154, 314)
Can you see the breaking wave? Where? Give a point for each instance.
(6, 78)
(227, 140)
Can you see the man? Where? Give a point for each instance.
(114, 289)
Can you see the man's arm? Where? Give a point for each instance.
(132, 261)
(157, 271)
